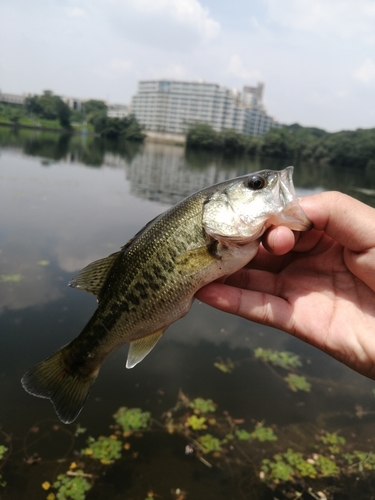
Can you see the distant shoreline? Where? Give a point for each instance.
(151, 136)
(48, 129)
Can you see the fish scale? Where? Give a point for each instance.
(151, 281)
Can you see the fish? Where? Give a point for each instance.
(151, 281)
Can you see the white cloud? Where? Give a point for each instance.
(366, 73)
(237, 68)
(341, 17)
(121, 65)
(75, 12)
(182, 13)
(172, 71)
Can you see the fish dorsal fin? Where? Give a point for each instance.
(140, 348)
(92, 277)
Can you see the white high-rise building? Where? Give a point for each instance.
(173, 106)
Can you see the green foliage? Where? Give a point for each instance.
(132, 419)
(360, 461)
(203, 405)
(71, 487)
(277, 469)
(10, 278)
(283, 359)
(118, 128)
(243, 435)
(327, 466)
(224, 366)
(333, 441)
(105, 449)
(50, 107)
(202, 136)
(346, 148)
(210, 443)
(93, 106)
(260, 433)
(196, 423)
(263, 434)
(3, 451)
(297, 383)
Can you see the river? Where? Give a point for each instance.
(66, 201)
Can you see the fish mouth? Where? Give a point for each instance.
(291, 214)
(295, 218)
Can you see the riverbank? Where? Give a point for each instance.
(165, 138)
(76, 129)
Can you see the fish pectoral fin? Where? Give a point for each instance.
(140, 348)
(92, 277)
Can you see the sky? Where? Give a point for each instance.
(315, 57)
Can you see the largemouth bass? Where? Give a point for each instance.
(151, 281)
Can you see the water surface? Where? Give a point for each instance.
(66, 201)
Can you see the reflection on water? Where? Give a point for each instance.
(57, 215)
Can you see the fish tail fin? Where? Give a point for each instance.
(54, 379)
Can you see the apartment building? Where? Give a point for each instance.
(173, 106)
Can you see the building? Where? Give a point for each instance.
(12, 98)
(173, 106)
(117, 110)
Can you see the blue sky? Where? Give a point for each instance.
(316, 57)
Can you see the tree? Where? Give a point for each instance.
(50, 107)
(93, 106)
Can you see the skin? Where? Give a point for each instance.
(318, 286)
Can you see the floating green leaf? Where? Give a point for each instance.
(263, 434)
(333, 440)
(11, 278)
(196, 423)
(327, 466)
(243, 435)
(360, 460)
(203, 405)
(210, 443)
(224, 366)
(283, 359)
(297, 383)
(132, 419)
(43, 263)
(105, 449)
(3, 451)
(71, 487)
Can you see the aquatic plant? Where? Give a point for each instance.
(283, 359)
(3, 451)
(333, 440)
(224, 366)
(132, 419)
(11, 278)
(297, 382)
(210, 443)
(360, 461)
(70, 487)
(196, 423)
(262, 433)
(203, 405)
(105, 449)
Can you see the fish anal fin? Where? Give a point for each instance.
(92, 277)
(139, 349)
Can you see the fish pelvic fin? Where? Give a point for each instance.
(139, 349)
(67, 389)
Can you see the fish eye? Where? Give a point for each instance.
(256, 182)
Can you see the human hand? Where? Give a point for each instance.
(319, 285)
